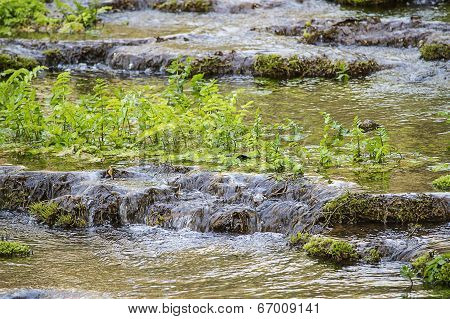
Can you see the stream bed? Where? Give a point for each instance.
(408, 96)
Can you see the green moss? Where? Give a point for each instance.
(334, 250)
(13, 249)
(435, 51)
(210, 65)
(442, 183)
(299, 239)
(184, 5)
(352, 208)
(278, 67)
(372, 256)
(16, 62)
(46, 212)
(51, 214)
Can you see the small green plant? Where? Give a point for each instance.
(408, 273)
(434, 270)
(11, 249)
(21, 15)
(442, 183)
(45, 211)
(342, 71)
(78, 18)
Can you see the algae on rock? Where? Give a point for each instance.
(11, 249)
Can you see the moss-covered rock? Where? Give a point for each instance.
(278, 67)
(337, 251)
(442, 183)
(12, 249)
(184, 5)
(353, 208)
(299, 239)
(211, 65)
(8, 61)
(435, 51)
(372, 255)
(52, 214)
(368, 3)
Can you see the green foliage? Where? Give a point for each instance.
(342, 72)
(21, 117)
(21, 14)
(32, 15)
(435, 51)
(434, 270)
(44, 211)
(442, 183)
(12, 249)
(78, 18)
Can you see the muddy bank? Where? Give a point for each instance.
(183, 197)
(367, 31)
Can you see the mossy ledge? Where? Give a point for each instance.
(9, 61)
(352, 208)
(278, 67)
(369, 3)
(330, 249)
(53, 214)
(442, 183)
(435, 51)
(10, 249)
(201, 6)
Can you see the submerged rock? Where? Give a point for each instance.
(368, 125)
(367, 31)
(182, 197)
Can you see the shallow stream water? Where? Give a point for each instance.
(409, 98)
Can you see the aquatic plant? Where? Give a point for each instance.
(372, 256)
(11, 249)
(442, 183)
(21, 15)
(435, 51)
(78, 18)
(432, 269)
(33, 15)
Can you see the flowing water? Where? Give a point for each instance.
(144, 262)
(409, 98)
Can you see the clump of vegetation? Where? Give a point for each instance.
(353, 208)
(78, 18)
(8, 61)
(432, 269)
(338, 251)
(372, 256)
(33, 15)
(435, 51)
(190, 120)
(22, 15)
(299, 239)
(330, 249)
(51, 214)
(278, 67)
(442, 183)
(184, 5)
(11, 249)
